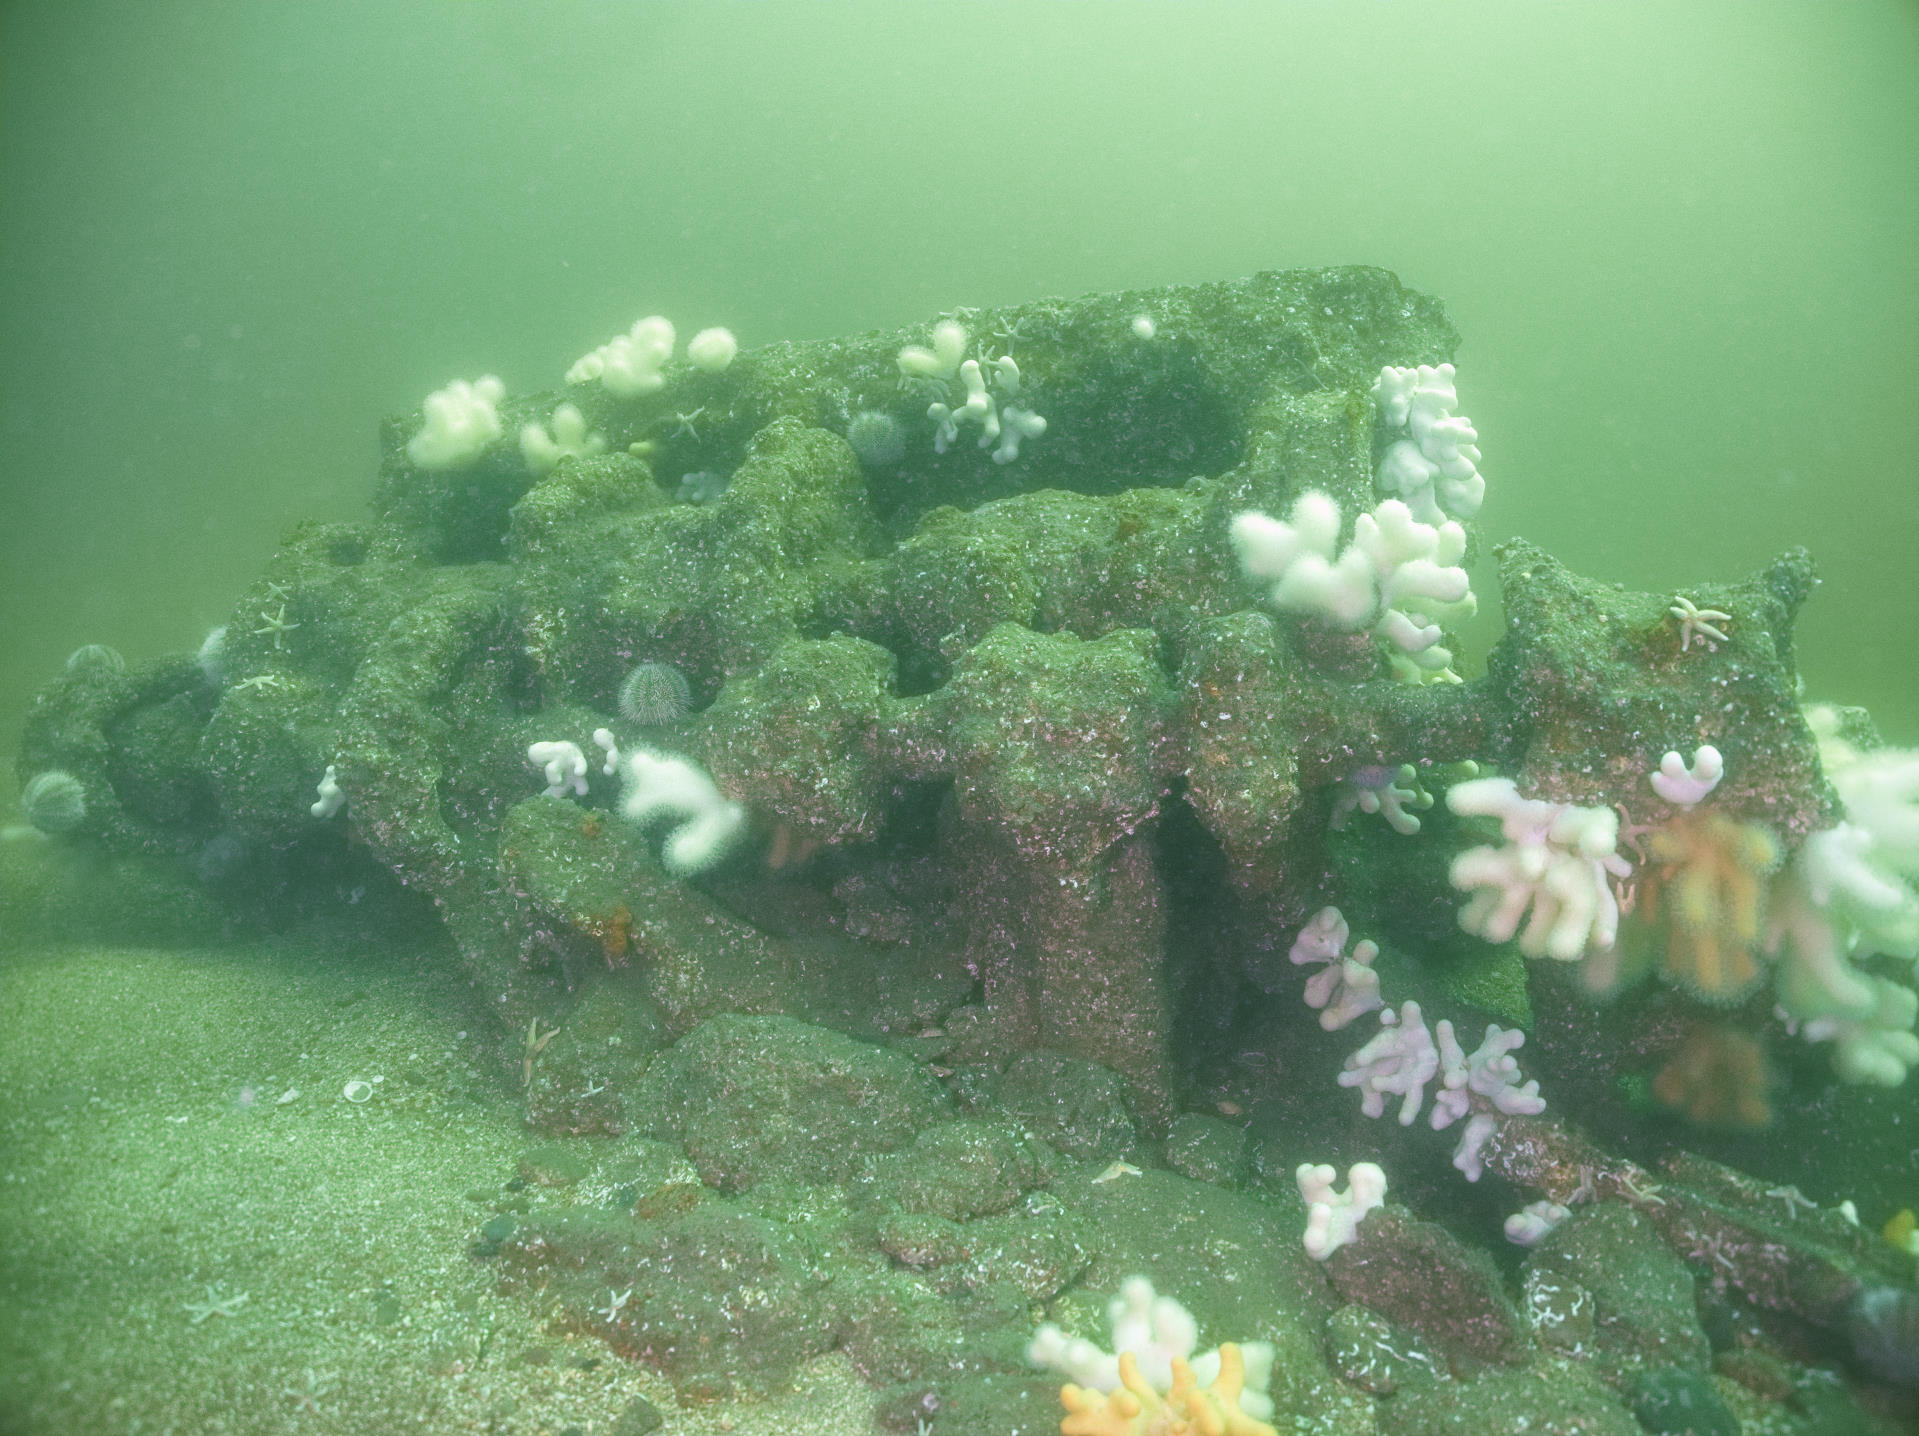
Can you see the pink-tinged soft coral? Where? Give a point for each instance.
(1557, 862)
(1398, 1062)
(1346, 986)
(1393, 793)
(1684, 784)
(1479, 1087)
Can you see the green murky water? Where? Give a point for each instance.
(1680, 244)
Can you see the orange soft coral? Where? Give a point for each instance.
(1701, 901)
(1717, 1077)
(1136, 1409)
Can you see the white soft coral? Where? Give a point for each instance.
(1332, 1216)
(1398, 577)
(1849, 893)
(1003, 425)
(706, 823)
(461, 422)
(1880, 792)
(569, 439)
(1345, 985)
(1436, 469)
(629, 364)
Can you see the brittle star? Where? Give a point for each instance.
(1794, 1199)
(1585, 1191)
(685, 422)
(214, 1305)
(1648, 1194)
(1710, 1250)
(535, 1044)
(1697, 622)
(262, 681)
(277, 625)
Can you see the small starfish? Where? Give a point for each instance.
(1116, 1171)
(1697, 622)
(214, 1305)
(685, 423)
(307, 1398)
(277, 625)
(277, 590)
(261, 681)
(616, 1305)
(1648, 1194)
(593, 1088)
(1794, 1200)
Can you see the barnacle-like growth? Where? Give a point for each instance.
(1136, 1409)
(1701, 902)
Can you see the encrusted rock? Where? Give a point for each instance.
(751, 1098)
(1420, 1277)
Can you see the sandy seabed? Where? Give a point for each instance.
(200, 1233)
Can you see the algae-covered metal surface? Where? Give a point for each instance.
(742, 898)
